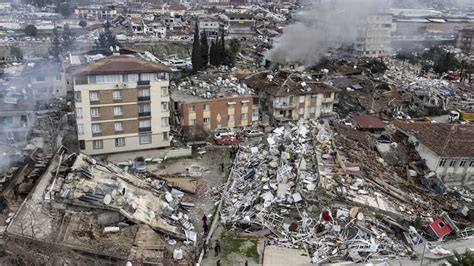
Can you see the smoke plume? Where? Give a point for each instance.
(327, 25)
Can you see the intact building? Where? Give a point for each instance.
(375, 36)
(122, 104)
(446, 149)
(465, 40)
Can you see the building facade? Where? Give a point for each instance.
(465, 40)
(210, 114)
(122, 104)
(446, 149)
(288, 97)
(375, 35)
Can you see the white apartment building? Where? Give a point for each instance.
(122, 104)
(375, 36)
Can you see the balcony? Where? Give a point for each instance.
(283, 106)
(143, 83)
(142, 114)
(143, 98)
(144, 129)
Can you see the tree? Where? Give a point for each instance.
(195, 58)
(65, 9)
(31, 30)
(16, 52)
(68, 38)
(107, 38)
(204, 50)
(213, 54)
(83, 24)
(465, 259)
(55, 49)
(234, 46)
(221, 49)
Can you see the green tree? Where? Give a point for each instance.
(465, 259)
(16, 52)
(83, 24)
(68, 38)
(221, 54)
(55, 49)
(65, 9)
(234, 46)
(31, 30)
(107, 38)
(204, 50)
(195, 56)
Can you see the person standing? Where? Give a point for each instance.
(217, 248)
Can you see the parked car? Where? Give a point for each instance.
(224, 132)
(139, 164)
(252, 133)
(227, 140)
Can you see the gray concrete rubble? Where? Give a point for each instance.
(301, 186)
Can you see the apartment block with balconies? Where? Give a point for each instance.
(122, 104)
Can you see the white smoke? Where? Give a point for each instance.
(327, 25)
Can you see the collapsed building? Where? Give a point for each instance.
(97, 209)
(446, 149)
(286, 96)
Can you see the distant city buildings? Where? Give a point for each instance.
(375, 36)
(122, 104)
(465, 40)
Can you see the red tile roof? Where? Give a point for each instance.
(446, 140)
(368, 122)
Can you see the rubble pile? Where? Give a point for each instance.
(273, 190)
(209, 88)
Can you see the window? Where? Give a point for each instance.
(117, 95)
(231, 117)
(302, 99)
(301, 111)
(94, 96)
(471, 164)
(442, 163)
(206, 107)
(97, 144)
(243, 116)
(192, 108)
(245, 103)
(79, 112)
(452, 163)
(462, 163)
(80, 129)
(441, 224)
(207, 120)
(118, 126)
(255, 112)
(95, 112)
(164, 107)
(82, 144)
(58, 77)
(326, 106)
(165, 121)
(231, 105)
(144, 93)
(144, 124)
(144, 108)
(313, 110)
(77, 96)
(147, 76)
(145, 139)
(130, 77)
(165, 135)
(164, 91)
(96, 128)
(118, 111)
(192, 122)
(119, 142)
(40, 78)
(327, 95)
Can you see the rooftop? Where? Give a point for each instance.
(286, 83)
(120, 64)
(449, 140)
(368, 122)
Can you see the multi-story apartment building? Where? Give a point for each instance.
(375, 35)
(465, 40)
(45, 79)
(122, 104)
(241, 24)
(288, 97)
(95, 12)
(211, 26)
(230, 110)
